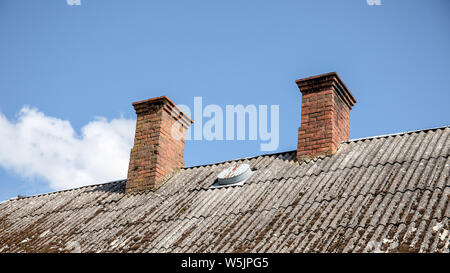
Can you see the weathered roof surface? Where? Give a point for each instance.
(387, 193)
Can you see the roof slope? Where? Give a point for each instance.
(387, 193)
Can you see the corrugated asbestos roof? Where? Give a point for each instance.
(385, 194)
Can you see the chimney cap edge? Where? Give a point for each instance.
(165, 100)
(346, 92)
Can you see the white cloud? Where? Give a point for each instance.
(48, 147)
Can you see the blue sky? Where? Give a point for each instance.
(73, 64)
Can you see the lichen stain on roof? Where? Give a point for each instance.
(386, 194)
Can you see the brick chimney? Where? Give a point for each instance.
(158, 149)
(326, 105)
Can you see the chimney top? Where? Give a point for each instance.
(324, 81)
(166, 101)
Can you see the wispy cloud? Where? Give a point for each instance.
(48, 147)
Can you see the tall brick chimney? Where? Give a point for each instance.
(326, 105)
(158, 149)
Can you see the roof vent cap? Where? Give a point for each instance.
(235, 174)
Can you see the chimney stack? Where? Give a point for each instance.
(326, 105)
(158, 149)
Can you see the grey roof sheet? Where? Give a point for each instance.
(387, 194)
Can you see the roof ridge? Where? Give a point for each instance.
(231, 160)
(242, 158)
(397, 134)
(59, 191)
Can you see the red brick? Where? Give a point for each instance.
(325, 121)
(156, 154)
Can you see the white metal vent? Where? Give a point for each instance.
(235, 175)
